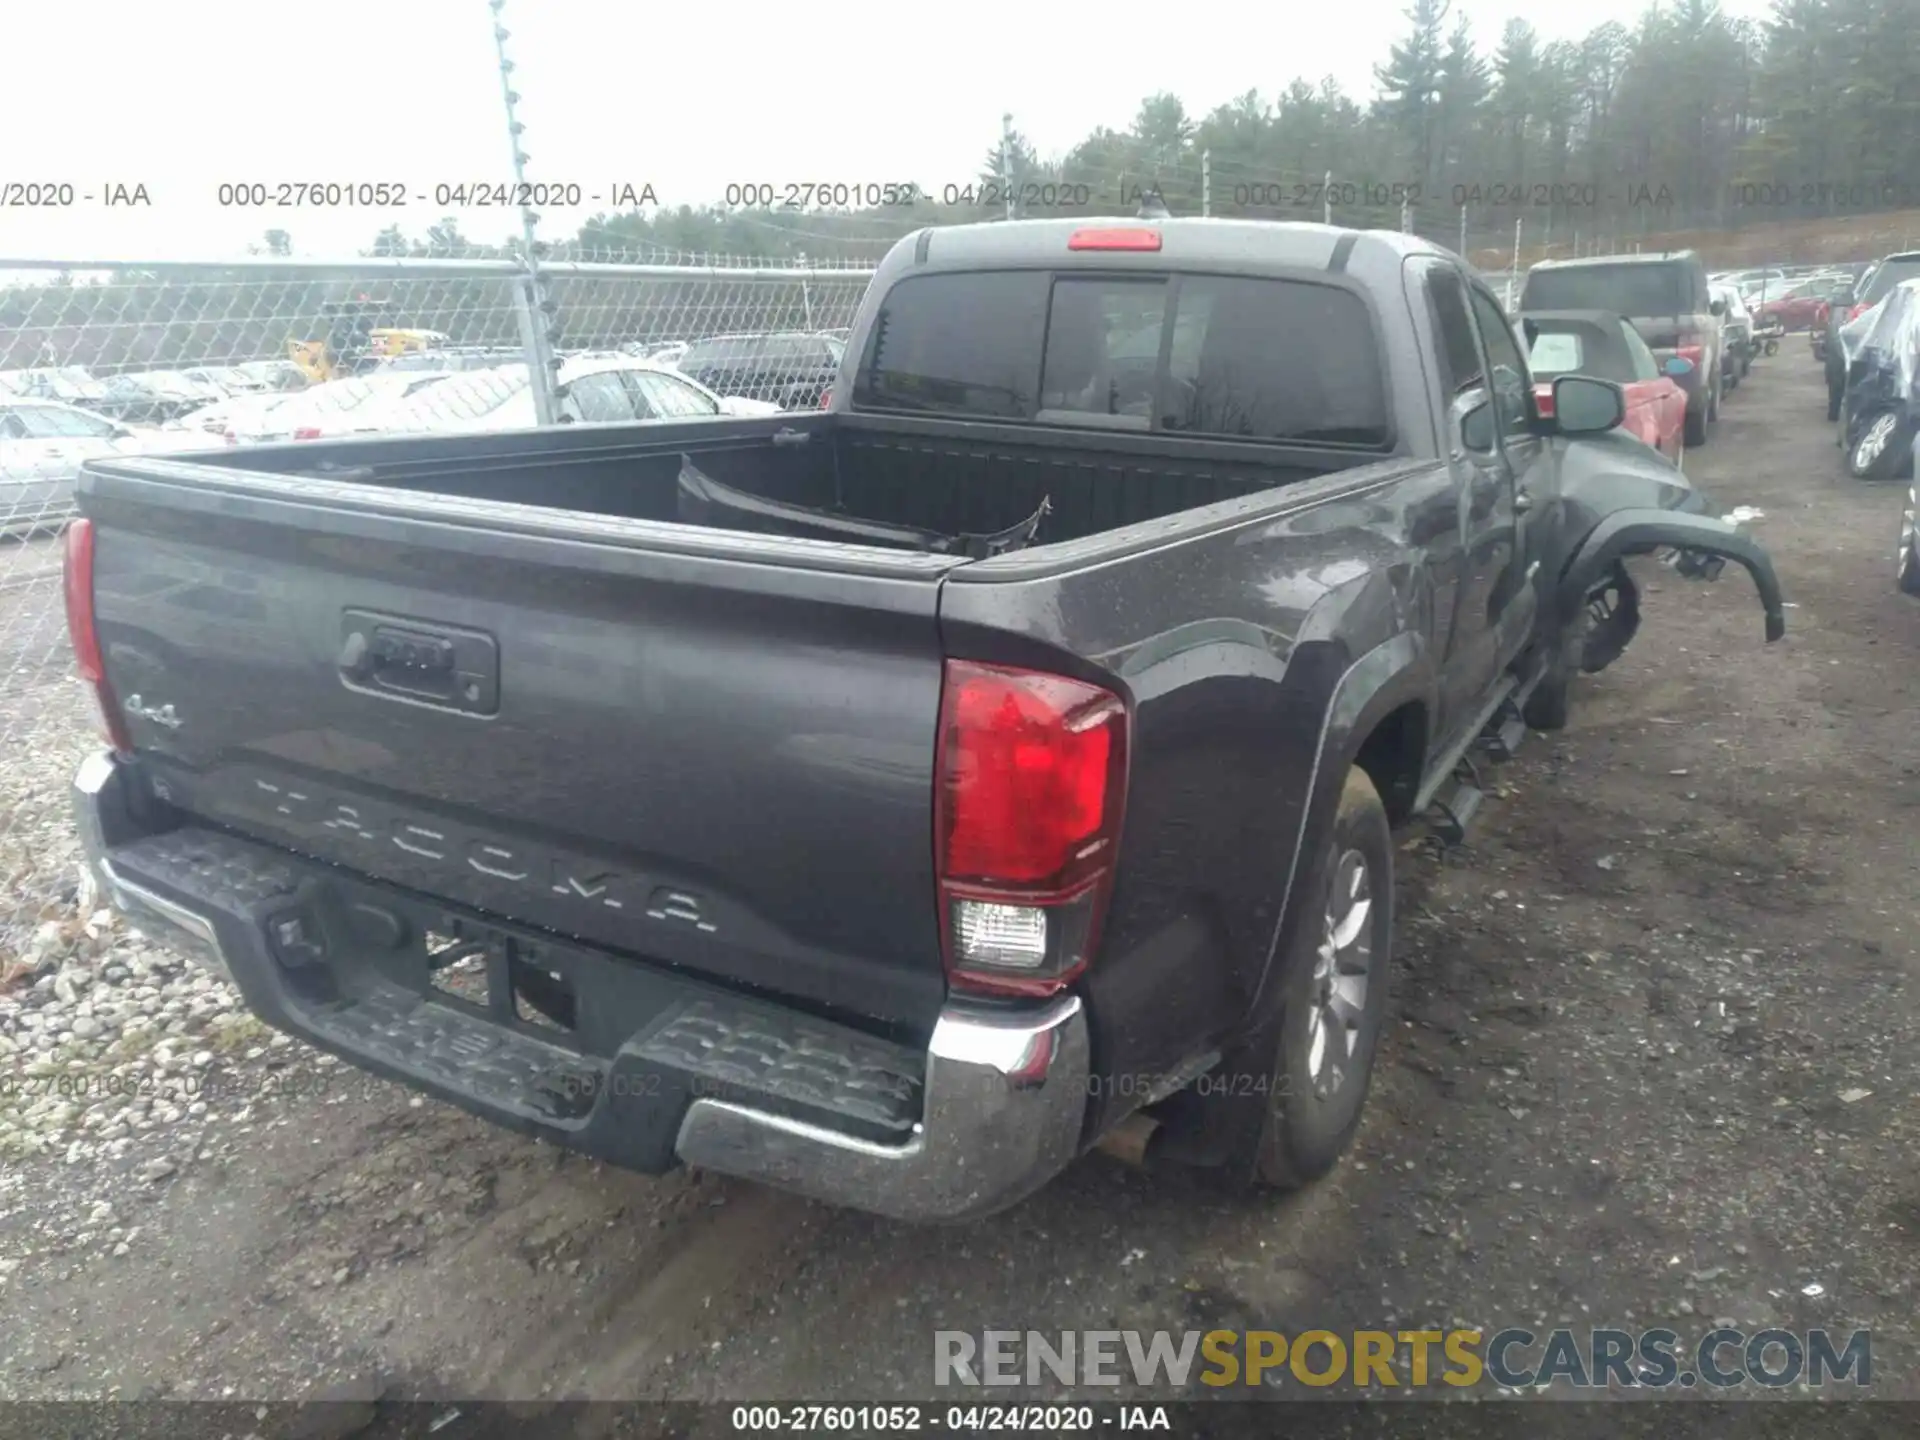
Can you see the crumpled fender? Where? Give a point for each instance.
(1636, 532)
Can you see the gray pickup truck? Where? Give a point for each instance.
(889, 802)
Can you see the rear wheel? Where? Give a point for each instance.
(1336, 981)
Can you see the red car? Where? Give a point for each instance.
(1798, 306)
(1601, 344)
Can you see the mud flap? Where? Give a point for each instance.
(1700, 539)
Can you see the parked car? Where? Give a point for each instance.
(153, 397)
(790, 370)
(68, 384)
(1877, 414)
(452, 359)
(1831, 314)
(668, 354)
(43, 442)
(868, 868)
(1597, 343)
(619, 390)
(1736, 332)
(1665, 297)
(1873, 286)
(236, 413)
(275, 374)
(1795, 305)
(332, 407)
(229, 380)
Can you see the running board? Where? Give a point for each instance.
(1454, 797)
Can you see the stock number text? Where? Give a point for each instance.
(1543, 195)
(820, 194)
(1825, 195)
(312, 194)
(1312, 194)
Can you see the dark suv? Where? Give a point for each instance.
(1872, 287)
(793, 370)
(1666, 299)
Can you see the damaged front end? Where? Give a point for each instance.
(1597, 600)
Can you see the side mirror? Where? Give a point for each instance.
(1678, 367)
(1718, 307)
(1476, 427)
(1583, 405)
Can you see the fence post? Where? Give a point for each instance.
(534, 306)
(1326, 200)
(806, 291)
(1006, 160)
(1513, 271)
(1463, 232)
(1206, 182)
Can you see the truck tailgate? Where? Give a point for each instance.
(701, 749)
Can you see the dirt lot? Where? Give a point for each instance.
(1628, 1012)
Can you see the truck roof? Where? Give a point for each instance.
(1184, 241)
(1584, 261)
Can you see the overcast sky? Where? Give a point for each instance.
(181, 95)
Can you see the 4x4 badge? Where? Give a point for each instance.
(159, 715)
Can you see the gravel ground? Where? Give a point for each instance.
(1651, 1061)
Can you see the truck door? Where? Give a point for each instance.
(1467, 632)
(1513, 601)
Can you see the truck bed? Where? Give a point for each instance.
(704, 749)
(936, 475)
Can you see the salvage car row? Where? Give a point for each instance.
(52, 419)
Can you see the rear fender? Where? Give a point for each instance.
(1638, 532)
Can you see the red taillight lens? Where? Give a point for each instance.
(1856, 312)
(306, 432)
(1031, 785)
(826, 398)
(84, 633)
(1543, 401)
(1114, 240)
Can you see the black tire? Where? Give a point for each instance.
(1908, 575)
(1312, 1114)
(1895, 448)
(1696, 431)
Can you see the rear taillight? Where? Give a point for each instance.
(1856, 312)
(306, 432)
(1030, 788)
(84, 633)
(1543, 401)
(826, 397)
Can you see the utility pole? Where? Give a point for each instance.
(1206, 182)
(1006, 161)
(536, 309)
(1463, 232)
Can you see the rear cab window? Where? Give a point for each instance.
(1630, 288)
(1246, 358)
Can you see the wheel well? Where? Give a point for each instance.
(1393, 755)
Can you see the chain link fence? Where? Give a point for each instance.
(104, 358)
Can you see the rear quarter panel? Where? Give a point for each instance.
(1230, 645)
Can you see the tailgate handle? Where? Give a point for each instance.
(420, 661)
